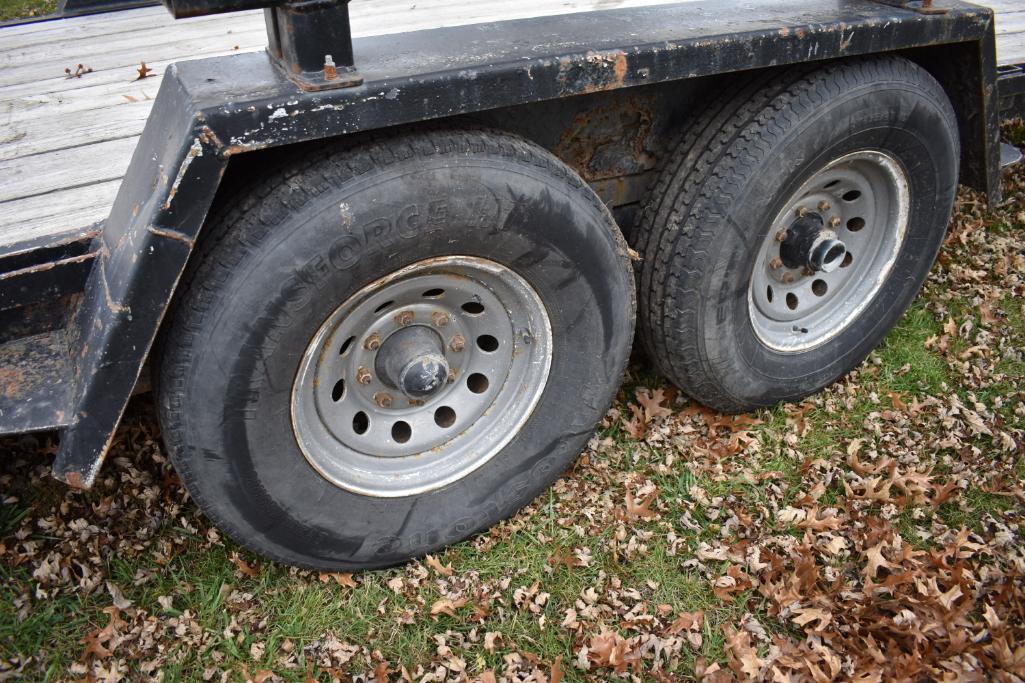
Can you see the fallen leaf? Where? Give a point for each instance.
(242, 566)
(447, 606)
(435, 564)
(341, 578)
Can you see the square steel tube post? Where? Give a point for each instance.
(312, 43)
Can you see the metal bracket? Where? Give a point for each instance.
(311, 42)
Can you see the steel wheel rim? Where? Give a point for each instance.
(862, 200)
(487, 321)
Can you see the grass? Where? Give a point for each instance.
(23, 9)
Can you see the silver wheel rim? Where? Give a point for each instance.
(351, 414)
(808, 283)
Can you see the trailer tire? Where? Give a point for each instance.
(424, 237)
(758, 283)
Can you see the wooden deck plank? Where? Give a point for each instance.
(73, 209)
(65, 143)
(73, 167)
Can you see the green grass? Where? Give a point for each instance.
(21, 9)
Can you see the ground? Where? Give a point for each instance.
(20, 9)
(873, 532)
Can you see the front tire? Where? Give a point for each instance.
(794, 224)
(391, 346)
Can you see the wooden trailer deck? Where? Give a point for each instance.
(66, 141)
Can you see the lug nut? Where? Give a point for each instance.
(363, 375)
(382, 399)
(404, 318)
(440, 319)
(808, 271)
(788, 277)
(802, 211)
(451, 375)
(776, 263)
(782, 235)
(373, 342)
(834, 221)
(823, 205)
(457, 344)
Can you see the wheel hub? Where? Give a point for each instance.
(412, 360)
(809, 244)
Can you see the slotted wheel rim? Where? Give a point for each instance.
(422, 376)
(828, 251)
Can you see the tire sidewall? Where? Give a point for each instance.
(894, 119)
(237, 448)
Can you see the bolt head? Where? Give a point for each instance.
(823, 205)
(363, 376)
(440, 318)
(834, 221)
(776, 263)
(404, 318)
(457, 343)
(801, 211)
(452, 375)
(373, 342)
(788, 277)
(782, 235)
(383, 399)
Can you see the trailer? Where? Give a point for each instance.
(386, 285)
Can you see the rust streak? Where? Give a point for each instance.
(170, 234)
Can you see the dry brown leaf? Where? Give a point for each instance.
(876, 560)
(242, 566)
(556, 675)
(635, 510)
(651, 401)
(341, 578)
(435, 564)
(611, 650)
(637, 426)
(447, 606)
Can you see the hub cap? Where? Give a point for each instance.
(422, 376)
(828, 251)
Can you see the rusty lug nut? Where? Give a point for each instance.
(440, 319)
(382, 399)
(807, 271)
(834, 221)
(788, 277)
(363, 375)
(451, 375)
(823, 205)
(776, 263)
(802, 211)
(404, 318)
(457, 344)
(373, 342)
(782, 235)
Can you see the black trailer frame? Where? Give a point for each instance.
(79, 316)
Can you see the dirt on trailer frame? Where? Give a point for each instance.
(872, 532)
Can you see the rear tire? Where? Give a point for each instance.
(721, 314)
(280, 304)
